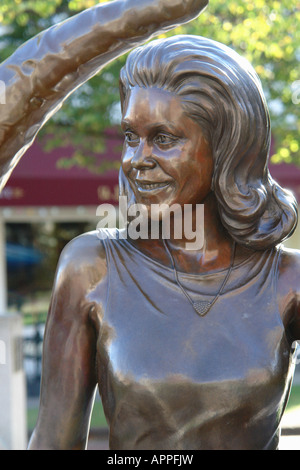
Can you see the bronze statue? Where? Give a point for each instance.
(189, 349)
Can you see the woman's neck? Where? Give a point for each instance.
(213, 255)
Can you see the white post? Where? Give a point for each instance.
(3, 269)
(13, 425)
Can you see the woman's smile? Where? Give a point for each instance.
(151, 187)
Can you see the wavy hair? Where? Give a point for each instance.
(221, 91)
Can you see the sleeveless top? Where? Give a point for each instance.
(172, 380)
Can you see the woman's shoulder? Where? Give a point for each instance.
(84, 255)
(289, 268)
(88, 244)
(289, 257)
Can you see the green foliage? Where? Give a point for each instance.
(266, 32)
(21, 10)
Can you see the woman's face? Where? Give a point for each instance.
(166, 158)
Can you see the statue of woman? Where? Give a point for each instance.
(190, 349)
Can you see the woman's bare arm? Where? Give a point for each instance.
(69, 376)
(43, 72)
(288, 292)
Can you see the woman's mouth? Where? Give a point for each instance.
(150, 186)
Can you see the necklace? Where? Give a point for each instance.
(202, 307)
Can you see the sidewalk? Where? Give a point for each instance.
(98, 439)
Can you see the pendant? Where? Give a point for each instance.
(202, 307)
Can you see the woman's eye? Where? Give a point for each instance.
(131, 137)
(164, 139)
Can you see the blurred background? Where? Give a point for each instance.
(72, 167)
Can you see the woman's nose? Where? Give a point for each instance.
(143, 157)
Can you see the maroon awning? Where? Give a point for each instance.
(37, 180)
(288, 176)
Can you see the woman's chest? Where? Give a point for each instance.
(232, 343)
(181, 382)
